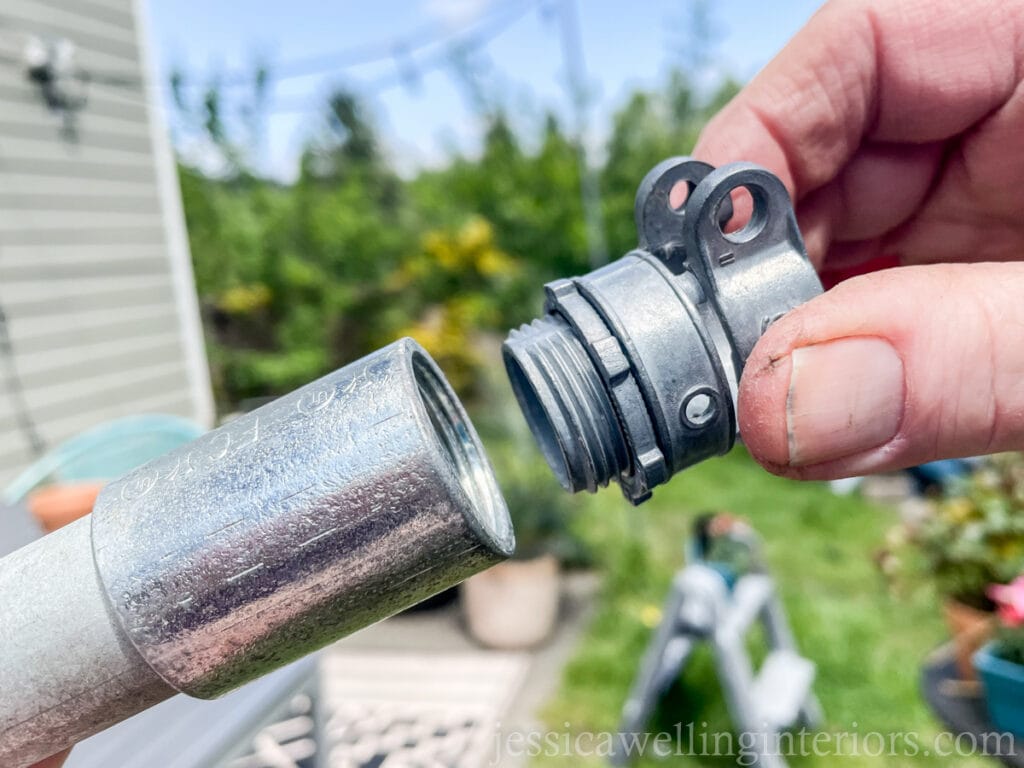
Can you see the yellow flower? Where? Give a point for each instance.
(494, 263)
(470, 249)
(650, 615)
(476, 234)
(243, 299)
(1009, 549)
(958, 510)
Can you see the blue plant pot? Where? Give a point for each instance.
(1003, 682)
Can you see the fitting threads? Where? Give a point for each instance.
(567, 404)
(632, 372)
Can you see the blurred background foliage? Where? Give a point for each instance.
(297, 279)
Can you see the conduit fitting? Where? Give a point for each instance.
(632, 372)
(314, 516)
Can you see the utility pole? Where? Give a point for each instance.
(578, 87)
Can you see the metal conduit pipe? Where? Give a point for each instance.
(331, 508)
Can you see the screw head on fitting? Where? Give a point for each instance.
(699, 408)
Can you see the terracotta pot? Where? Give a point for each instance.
(54, 506)
(513, 605)
(970, 629)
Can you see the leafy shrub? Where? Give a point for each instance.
(975, 537)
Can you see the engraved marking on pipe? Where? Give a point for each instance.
(232, 625)
(137, 487)
(224, 527)
(319, 536)
(314, 401)
(242, 574)
(255, 432)
(726, 259)
(436, 565)
(295, 493)
(221, 441)
(60, 703)
(339, 529)
(277, 506)
(357, 383)
(385, 419)
(213, 451)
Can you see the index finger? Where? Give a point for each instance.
(914, 71)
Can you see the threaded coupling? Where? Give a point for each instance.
(632, 372)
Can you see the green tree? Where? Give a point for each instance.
(298, 279)
(530, 198)
(650, 127)
(292, 278)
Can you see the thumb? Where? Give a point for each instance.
(890, 370)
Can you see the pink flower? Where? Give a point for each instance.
(1009, 599)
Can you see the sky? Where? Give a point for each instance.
(420, 105)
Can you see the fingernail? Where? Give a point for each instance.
(845, 397)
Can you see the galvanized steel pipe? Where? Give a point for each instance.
(316, 515)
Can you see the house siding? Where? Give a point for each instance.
(95, 277)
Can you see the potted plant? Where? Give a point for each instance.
(515, 604)
(54, 506)
(1000, 663)
(973, 538)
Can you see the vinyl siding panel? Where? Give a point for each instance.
(47, 335)
(95, 37)
(84, 150)
(94, 276)
(60, 200)
(99, 132)
(84, 189)
(94, 398)
(28, 264)
(104, 102)
(74, 169)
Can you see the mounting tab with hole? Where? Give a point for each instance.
(631, 373)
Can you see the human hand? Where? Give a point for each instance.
(898, 128)
(54, 761)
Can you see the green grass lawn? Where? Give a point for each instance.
(868, 643)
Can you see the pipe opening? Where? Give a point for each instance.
(565, 403)
(537, 418)
(466, 454)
